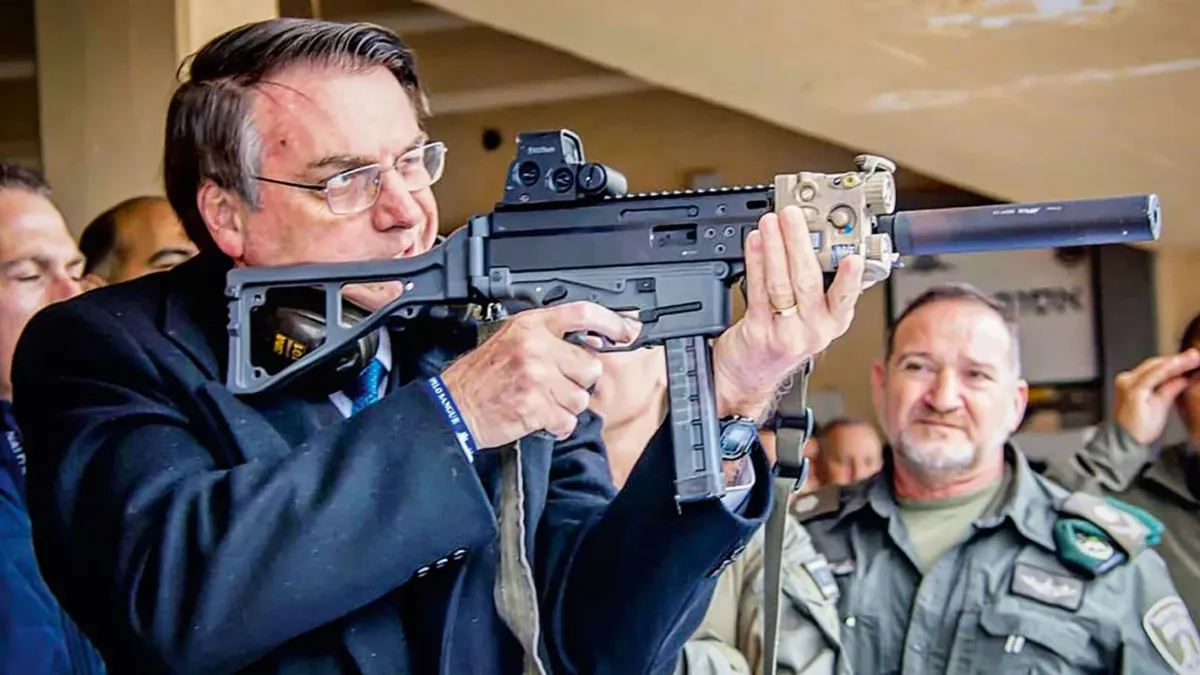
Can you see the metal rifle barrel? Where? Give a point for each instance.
(1082, 222)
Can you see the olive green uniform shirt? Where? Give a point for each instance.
(936, 525)
(1116, 464)
(730, 638)
(1000, 601)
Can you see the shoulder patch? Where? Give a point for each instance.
(1173, 633)
(821, 502)
(1085, 548)
(1132, 529)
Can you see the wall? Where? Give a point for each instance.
(1178, 290)
(656, 139)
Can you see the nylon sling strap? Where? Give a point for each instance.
(514, 591)
(791, 473)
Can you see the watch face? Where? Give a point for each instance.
(737, 439)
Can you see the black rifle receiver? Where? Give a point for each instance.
(566, 230)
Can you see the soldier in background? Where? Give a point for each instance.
(956, 557)
(138, 236)
(1118, 461)
(848, 450)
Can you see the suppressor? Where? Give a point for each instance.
(1082, 222)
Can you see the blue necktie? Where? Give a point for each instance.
(368, 387)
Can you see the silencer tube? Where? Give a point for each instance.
(1083, 222)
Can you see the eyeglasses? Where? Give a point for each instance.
(357, 190)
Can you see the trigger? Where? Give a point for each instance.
(580, 337)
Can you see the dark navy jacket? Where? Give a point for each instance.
(36, 637)
(188, 530)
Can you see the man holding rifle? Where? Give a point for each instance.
(356, 524)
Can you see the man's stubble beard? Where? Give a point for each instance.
(946, 457)
(940, 456)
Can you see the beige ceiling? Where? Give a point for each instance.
(1018, 99)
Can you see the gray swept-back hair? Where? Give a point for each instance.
(210, 133)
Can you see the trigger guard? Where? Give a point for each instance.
(580, 338)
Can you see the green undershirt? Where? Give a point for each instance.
(935, 526)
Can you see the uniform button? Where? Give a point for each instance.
(423, 571)
(459, 554)
(918, 648)
(441, 563)
(850, 622)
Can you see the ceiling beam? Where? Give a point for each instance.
(454, 102)
(535, 93)
(414, 22)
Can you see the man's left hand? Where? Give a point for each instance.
(789, 316)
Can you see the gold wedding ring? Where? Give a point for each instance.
(786, 311)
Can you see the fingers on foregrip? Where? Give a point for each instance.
(846, 288)
(755, 281)
(803, 266)
(777, 276)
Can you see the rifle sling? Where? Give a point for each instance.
(791, 472)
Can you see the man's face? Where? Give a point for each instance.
(849, 453)
(152, 240)
(315, 123)
(39, 264)
(949, 395)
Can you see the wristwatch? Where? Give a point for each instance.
(738, 437)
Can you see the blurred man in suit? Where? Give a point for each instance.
(39, 265)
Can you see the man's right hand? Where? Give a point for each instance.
(1144, 395)
(527, 378)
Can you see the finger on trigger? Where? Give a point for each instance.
(590, 317)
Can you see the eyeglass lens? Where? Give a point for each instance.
(359, 189)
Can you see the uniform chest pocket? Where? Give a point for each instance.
(1014, 638)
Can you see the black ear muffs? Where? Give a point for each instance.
(292, 323)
